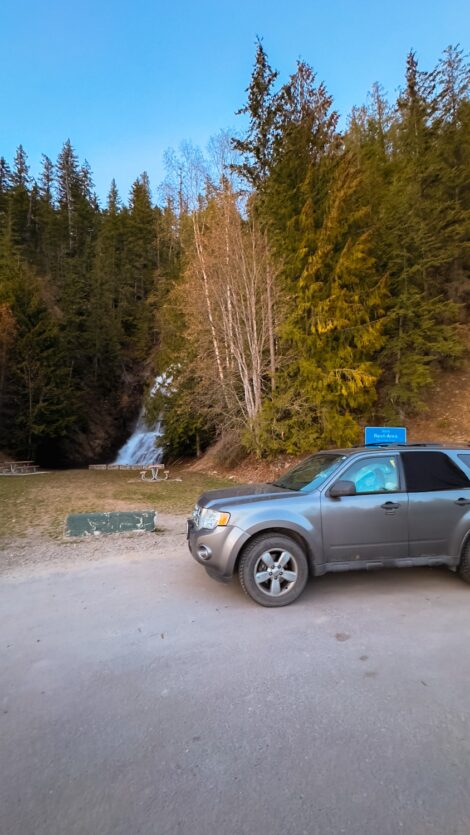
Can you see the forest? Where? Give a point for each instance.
(289, 284)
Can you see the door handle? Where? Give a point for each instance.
(390, 506)
(462, 502)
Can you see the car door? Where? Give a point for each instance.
(439, 503)
(371, 525)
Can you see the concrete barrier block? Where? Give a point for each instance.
(93, 524)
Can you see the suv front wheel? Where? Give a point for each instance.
(273, 570)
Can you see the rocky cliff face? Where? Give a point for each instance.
(100, 433)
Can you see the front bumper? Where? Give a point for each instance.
(216, 550)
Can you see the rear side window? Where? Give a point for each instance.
(465, 457)
(428, 471)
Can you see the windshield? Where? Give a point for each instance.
(310, 473)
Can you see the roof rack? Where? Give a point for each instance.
(428, 443)
(405, 446)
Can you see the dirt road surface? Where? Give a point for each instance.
(139, 697)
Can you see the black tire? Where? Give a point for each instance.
(285, 566)
(464, 564)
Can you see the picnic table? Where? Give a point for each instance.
(155, 469)
(15, 467)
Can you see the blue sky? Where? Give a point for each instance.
(126, 80)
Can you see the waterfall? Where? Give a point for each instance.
(143, 448)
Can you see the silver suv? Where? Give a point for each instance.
(339, 510)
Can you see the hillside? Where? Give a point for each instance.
(446, 418)
(283, 278)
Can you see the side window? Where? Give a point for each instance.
(428, 471)
(374, 475)
(465, 457)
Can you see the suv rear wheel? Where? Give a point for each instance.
(464, 565)
(273, 570)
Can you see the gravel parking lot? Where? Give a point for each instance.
(139, 697)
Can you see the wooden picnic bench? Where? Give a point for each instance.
(16, 467)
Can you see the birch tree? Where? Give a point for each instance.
(227, 308)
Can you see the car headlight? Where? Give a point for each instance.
(211, 519)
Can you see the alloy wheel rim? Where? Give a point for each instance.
(276, 572)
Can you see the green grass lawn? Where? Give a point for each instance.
(38, 504)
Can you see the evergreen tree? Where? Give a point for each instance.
(36, 401)
(451, 181)
(333, 328)
(20, 200)
(305, 151)
(46, 180)
(68, 192)
(256, 147)
(418, 239)
(76, 231)
(5, 175)
(139, 265)
(47, 221)
(104, 334)
(5, 184)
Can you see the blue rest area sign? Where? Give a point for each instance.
(384, 435)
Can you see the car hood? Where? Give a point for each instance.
(242, 493)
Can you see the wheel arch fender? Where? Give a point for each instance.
(465, 544)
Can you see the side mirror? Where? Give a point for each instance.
(342, 488)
